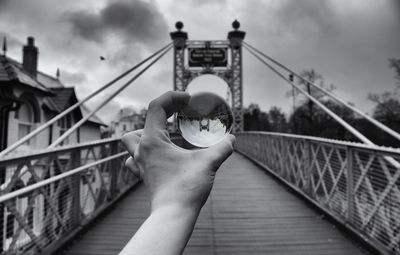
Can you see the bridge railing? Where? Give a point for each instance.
(48, 196)
(357, 185)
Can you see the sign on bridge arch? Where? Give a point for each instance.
(222, 58)
(200, 57)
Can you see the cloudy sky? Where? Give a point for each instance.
(347, 41)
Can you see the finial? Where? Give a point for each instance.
(31, 41)
(179, 25)
(4, 45)
(236, 24)
(58, 73)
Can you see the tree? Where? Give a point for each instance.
(395, 64)
(323, 125)
(315, 78)
(255, 119)
(387, 111)
(277, 120)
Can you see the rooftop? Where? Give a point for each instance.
(60, 97)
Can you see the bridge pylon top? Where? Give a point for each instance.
(222, 58)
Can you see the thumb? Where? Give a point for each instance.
(220, 152)
(130, 164)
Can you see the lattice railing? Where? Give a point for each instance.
(49, 195)
(356, 184)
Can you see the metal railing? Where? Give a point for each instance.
(354, 183)
(48, 196)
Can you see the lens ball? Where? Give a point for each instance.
(206, 120)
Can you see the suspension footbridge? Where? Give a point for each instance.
(278, 193)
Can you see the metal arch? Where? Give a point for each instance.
(223, 74)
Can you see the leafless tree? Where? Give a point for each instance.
(314, 77)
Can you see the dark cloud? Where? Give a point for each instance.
(3, 4)
(86, 25)
(136, 21)
(204, 2)
(300, 14)
(396, 7)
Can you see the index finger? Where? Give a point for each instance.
(131, 139)
(161, 108)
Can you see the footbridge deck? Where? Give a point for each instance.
(248, 212)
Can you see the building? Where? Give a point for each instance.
(127, 120)
(28, 99)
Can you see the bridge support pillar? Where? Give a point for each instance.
(179, 39)
(236, 37)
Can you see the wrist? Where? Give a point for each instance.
(175, 210)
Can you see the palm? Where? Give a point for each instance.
(172, 174)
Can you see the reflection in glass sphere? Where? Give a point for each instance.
(206, 120)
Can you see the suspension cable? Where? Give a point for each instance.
(76, 105)
(346, 125)
(331, 95)
(332, 114)
(108, 99)
(78, 124)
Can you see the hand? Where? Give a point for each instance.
(174, 176)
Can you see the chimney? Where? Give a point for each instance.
(30, 57)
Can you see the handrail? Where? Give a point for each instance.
(70, 186)
(53, 179)
(47, 151)
(328, 140)
(353, 183)
(337, 118)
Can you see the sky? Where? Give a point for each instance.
(347, 41)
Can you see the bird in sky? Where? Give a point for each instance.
(102, 58)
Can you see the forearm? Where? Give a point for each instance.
(165, 231)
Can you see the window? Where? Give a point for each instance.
(25, 118)
(64, 124)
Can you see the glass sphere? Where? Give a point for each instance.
(206, 120)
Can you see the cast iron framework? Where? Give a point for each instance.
(231, 73)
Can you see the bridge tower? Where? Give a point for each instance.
(222, 58)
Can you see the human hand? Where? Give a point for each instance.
(175, 176)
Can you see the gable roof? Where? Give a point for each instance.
(85, 111)
(11, 70)
(64, 98)
(60, 97)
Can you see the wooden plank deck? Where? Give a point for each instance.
(248, 212)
